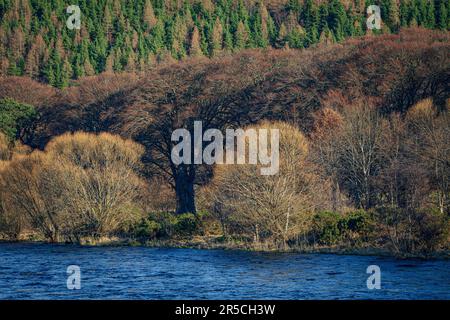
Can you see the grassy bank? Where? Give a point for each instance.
(218, 243)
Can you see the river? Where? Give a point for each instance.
(39, 271)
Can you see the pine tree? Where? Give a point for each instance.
(107, 22)
(389, 14)
(4, 66)
(326, 37)
(66, 73)
(297, 37)
(34, 57)
(131, 61)
(227, 40)
(442, 16)
(217, 37)
(271, 30)
(293, 5)
(109, 65)
(310, 16)
(264, 22)
(149, 15)
(241, 38)
(430, 15)
(282, 36)
(337, 19)
(157, 36)
(88, 68)
(404, 13)
(179, 34)
(194, 48)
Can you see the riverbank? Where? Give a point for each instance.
(217, 243)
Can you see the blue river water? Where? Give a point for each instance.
(39, 271)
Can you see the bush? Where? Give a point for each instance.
(413, 231)
(331, 228)
(166, 225)
(357, 226)
(187, 224)
(147, 228)
(325, 228)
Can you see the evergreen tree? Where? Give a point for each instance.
(404, 13)
(282, 36)
(194, 48)
(116, 35)
(157, 36)
(326, 37)
(241, 37)
(442, 22)
(149, 15)
(310, 17)
(217, 37)
(430, 15)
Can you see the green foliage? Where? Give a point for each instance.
(187, 224)
(165, 225)
(330, 228)
(326, 227)
(14, 116)
(146, 228)
(121, 35)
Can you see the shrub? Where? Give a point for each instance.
(187, 224)
(147, 228)
(413, 231)
(325, 228)
(165, 225)
(356, 226)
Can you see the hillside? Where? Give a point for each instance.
(395, 71)
(117, 36)
(366, 119)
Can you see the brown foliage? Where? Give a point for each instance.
(81, 185)
(276, 207)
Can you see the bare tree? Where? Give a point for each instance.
(81, 185)
(430, 131)
(359, 152)
(274, 207)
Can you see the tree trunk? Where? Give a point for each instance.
(184, 189)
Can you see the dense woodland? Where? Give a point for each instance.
(119, 35)
(364, 123)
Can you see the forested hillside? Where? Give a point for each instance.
(118, 35)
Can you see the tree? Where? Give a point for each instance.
(443, 23)
(174, 98)
(325, 150)
(241, 37)
(15, 117)
(217, 37)
(81, 185)
(149, 15)
(359, 154)
(429, 145)
(195, 49)
(273, 207)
